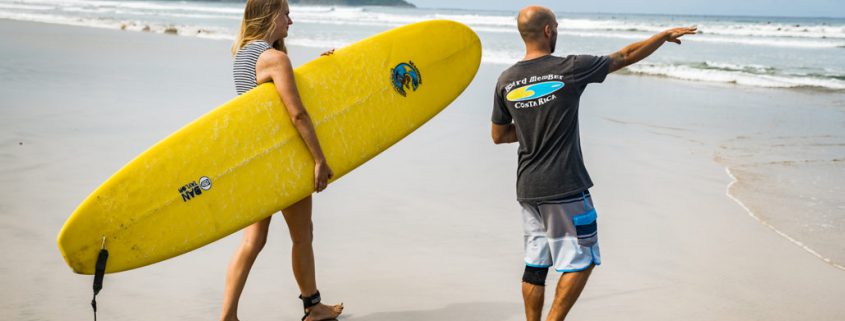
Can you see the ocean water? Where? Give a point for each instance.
(745, 51)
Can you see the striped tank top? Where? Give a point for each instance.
(244, 65)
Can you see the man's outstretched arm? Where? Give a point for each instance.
(504, 134)
(639, 50)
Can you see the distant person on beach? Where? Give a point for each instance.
(260, 57)
(536, 104)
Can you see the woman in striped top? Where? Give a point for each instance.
(260, 56)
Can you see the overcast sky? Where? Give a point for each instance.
(791, 8)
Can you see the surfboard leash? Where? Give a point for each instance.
(99, 274)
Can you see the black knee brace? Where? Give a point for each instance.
(535, 275)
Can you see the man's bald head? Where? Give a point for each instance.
(532, 22)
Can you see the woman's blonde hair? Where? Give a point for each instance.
(259, 21)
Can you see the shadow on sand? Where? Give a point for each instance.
(488, 311)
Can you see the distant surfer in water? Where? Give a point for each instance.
(260, 57)
(536, 104)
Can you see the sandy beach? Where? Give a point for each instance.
(430, 229)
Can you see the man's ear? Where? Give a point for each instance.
(547, 31)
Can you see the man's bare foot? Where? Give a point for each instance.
(321, 312)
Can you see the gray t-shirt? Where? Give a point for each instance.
(541, 97)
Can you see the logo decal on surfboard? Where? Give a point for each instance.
(192, 189)
(205, 183)
(405, 76)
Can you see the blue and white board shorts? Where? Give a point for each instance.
(561, 233)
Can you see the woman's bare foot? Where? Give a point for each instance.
(321, 312)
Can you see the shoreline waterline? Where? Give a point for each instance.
(763, 222)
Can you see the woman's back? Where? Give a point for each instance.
(244, 65)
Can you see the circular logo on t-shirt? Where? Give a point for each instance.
(534, 91)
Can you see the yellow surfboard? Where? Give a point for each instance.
(244, 160)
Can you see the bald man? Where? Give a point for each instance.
(536, 104)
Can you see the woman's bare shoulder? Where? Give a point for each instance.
(273, 57)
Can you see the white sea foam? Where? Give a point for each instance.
(138, 5)
(500, 57)
(338, 26)
(602, 34)
(59, 19)
(756, 76)
(316, 43)
(352, 17)
(610, 25)
(182, 30)
(629, 35)
(21, 6)
(159, 15)
(481, 20)
(776, 30)
(760, 69)
(771, 42)
(743, 29)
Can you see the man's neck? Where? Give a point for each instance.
(534, 52)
